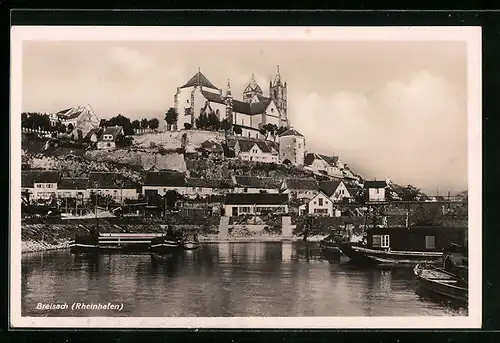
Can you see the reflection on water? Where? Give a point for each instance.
(228, 279)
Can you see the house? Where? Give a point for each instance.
(81, 118)
(258, 151)
(39, 184)
(160, 182)
(248, 204)
(255, 184)
(336, 190)
(109, 136)
(212, 149)
(292, 147)
(112, 184)
(72, 187)
(209, 206)
(300, 188)
(319, 205)
(376, 190)
(204, 187)
(329, 165)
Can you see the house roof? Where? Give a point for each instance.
(30, 177)
(246, 146)
(73, 112)
(291, 132)
(228, 151)
(108, 180)
(213, 97)
(257, 182)
(329, 187)
(302, 184)
(98, 132)
(165, 178)
(113, 130)
(256, 199)
(208, 183)
(240, 106)
(311, 157)
(375, 184)
(73, 183)
(212, 146)
(199, 80)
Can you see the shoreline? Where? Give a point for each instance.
(38, 246)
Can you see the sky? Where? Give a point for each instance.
(388, 108)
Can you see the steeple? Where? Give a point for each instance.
(251, 90)
(277, 78)
(278, 92)
(228, 92)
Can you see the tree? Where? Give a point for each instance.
(225, 124)
(202, 121)
(122, 121)
(213, 121)
(280, 130)
(103, 123)
(61, 128)
(36, 120)
(154, 124)
(171, 197)
(71, 127)
(188, 126)
(263, 132)
(237, 130)
(171, 117)
(136, 124)
(409, 193)
(144, 123)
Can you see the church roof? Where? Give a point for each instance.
(199, 80)
(253, 86)
(240, 106)
(291, 132)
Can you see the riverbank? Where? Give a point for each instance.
(40, 246)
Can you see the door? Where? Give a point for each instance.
(235, 211)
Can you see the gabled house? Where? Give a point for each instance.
(258, 151)
(319, 205)
(109, 136)
(81, 118)
(300, 188)
(255, 204)
(72, 187)
(160, 182)
(205, 187)
(336, 190)
(113, 184)
(211, 149)
(39, 184)
(254, 184)
(329, 165)
(375, 190)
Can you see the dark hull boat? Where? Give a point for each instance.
(360, 254)
(441, 282)
(84, 245)
(165, 245)
(190, 242)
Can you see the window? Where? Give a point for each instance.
(320, 211)
(385, 241)
(245, 190)
(430, 242)
(377, 190)
(49, 185)
(320, 201)
(244, 209)
(376, 241)
(39, 186)
(249, 134)
(109, 144)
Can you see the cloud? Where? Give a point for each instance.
(406, 130)
(129, 60)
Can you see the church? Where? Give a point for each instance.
(251, 113)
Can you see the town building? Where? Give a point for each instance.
(81, 118)
(39, 184)
(158, 183)
(211, 149)
(292, 147)
(329, 165)
(255, 184)
(300, 188)
(257, 151)
(255, 204)
(199, 95)
(109, 136)
(111, 184)
(320, 205)
(336, 190)
(72, 188)
(375, 190)
(204, 187)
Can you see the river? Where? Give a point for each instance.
(226, 279)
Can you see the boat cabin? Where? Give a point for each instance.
(416, 238)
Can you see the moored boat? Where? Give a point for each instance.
(190, 242)
(166, 243)
(439, 281)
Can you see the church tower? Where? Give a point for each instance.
(277, 92)
(229, 103)
(252, 90)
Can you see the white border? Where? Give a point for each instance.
(471, 35)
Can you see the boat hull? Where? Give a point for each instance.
(440, 283)
(190, 246)
(164, 246)
(361, 255)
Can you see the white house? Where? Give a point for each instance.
(336, 190)
(258, 151)
(300, 188)
(39, 184)
(113, 184)
(248, 204)
(160, 182)
(292, 147)
(72, 187)
(329, 165)
(376, 190)
(207, 187)
(254, 184)
(320, 205)
(109, 136)
(81, 118)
